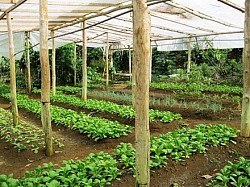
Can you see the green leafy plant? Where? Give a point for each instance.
(123, 111)
(23, 135)
(233, 174)
(178, 145)
(96, 170)
(94, 127)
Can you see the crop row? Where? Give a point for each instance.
(94, 127)
(23, 135)
(96, 170)
(123, 111)
(196, 87)
(100, 168)
(178, 145)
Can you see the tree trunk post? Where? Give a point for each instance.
(150, 63)
(129, 62)
(28, 61)
(245, 115)
(45, 76)
(141, 37)
(12, 72)
(84, 63)
(107, 62)
(75, 64)
(53, 67)
(189, 55)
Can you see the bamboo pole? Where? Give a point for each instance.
(107, 62)
(28, 61)
(45, 76)
(84, 62)
(189, 55)
(129, 62)
(245, 115)
(141, 37)
(75, 64)
(12, 72)
(53, 68)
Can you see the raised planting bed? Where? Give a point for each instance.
(178, 145)
(124, 111)
(23, 136)
(96, 170)
(94, 127)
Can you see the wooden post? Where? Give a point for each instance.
(28, 61)
(53, 68)
(45, 76)
(150, 63)
(245, 115)
(141, 34)
(12, 72)
(189, 55)
(129, 62)
(84, 63)
(107, 62)
(75, 64)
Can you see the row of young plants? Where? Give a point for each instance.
(100, 168)
(233, 174)
(196, 87)
(124, 111)
(94, 127)
(23, 136)
(178, 145)
(96, 170)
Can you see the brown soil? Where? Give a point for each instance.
(77, 146)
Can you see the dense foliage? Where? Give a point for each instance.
(96, 170)
(23, 135)
(233, 174)
(94, 127)
(178, 144)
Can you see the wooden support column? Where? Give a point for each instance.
(245, 115)
(129, 62)
(107, 62)
(75, 64)
(141, 34)
(28, 61)
(150, 63)
(53, 67)
(45, 77)
(84, 63)
(189, 55)
(12, 72)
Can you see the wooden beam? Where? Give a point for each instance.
(45, 76)
(84, 63)
(129, 62)
(180, 23)
(141, 28)
(202, 15)
(105, 11)
(28, 61)
(189, 55)
(12, 72)
(12, 8)
(107, 62)
(245, 115)
(53, 67)
(75, 64)
(233, 5)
